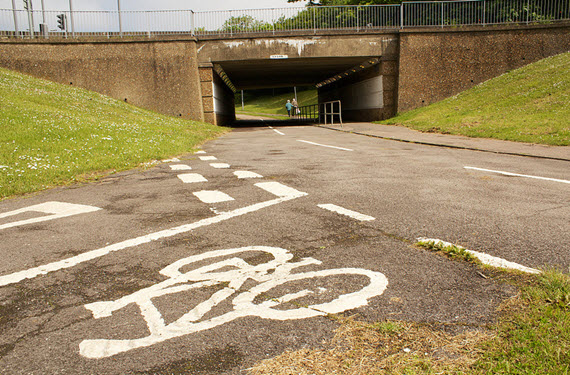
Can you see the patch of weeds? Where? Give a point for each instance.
(387, 347)
(533, 334)
(452, 251)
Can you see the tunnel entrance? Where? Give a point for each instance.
(359, 82)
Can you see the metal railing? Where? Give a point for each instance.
(332, 109)
(315, 19)
(309, 113)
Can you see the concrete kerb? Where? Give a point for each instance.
(352, 129)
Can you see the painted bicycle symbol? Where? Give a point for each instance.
(229, 274)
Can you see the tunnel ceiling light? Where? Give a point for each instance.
(353, 70)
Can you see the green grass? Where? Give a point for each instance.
(275, 105)
(530, 104)
(52, 134)
(533, 335)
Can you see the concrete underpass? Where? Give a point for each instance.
(363, 77)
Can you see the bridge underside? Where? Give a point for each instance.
(256, 74)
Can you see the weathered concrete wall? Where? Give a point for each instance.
(224, 102)
(295, 47)
(368, 95)
(438, 64)
(161, 76)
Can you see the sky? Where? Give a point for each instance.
(195, 5)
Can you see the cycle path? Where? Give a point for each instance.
(211, 263)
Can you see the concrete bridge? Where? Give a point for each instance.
(375, 74)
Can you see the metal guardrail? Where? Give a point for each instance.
(413, 14)
(328, 109)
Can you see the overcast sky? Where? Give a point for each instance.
(196, 5)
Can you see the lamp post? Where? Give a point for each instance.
(15, 18)
(71, 18)
(120, 18)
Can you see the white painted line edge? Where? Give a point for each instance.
(279, 189)
(220, 165)
(318, 144)
(212, 196)
(247, 174)
(171, 160)
(180, 167)
(16, 277)
(206, 158)
(200, 152)
(485, 258)
(276, 131)
(344, 211)
(519, 175)
(190, 178)
(54, 210)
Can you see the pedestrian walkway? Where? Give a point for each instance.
(403, 134)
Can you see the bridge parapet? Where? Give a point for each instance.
(317, 19)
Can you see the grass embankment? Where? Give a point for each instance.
(530, 104)
(52, 134)
(532, 336)
(275, 105)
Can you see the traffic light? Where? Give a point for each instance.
(62, 21)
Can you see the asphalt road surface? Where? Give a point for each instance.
(209, 264)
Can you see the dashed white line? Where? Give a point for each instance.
(206, 158)
(276, 131)
(94, 254)
(219, 165)
(200, 152)
(247, 174)
(519, 175)
(279, 190)
(212, 196)
(190, 178)
(344, 211)
(171, 160)
(318, 144)
(54, 210)
(180, 167)
(485, 258)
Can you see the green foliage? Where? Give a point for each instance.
(265, 102)
(452, 251)
(530, 104)
(52, 134)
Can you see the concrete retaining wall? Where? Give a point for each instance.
(161, 76)
(435, 65)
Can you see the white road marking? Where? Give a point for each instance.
(200, 152)
(344, 211)
(212, 196)
(519, 175)
(230, 273)
(318, 144)
(219, 165)
(190, 178)
(485, 258)
(55, 210)
(205, 158)
(276, 131)
(94, 254)
(247, 174)
(180, 167)
(171, 160)
(279, 189)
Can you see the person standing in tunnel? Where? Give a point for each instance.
(295, 106)
(289, 106)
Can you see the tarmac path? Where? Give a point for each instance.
(210, 263)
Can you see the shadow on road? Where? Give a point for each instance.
(267, 122)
